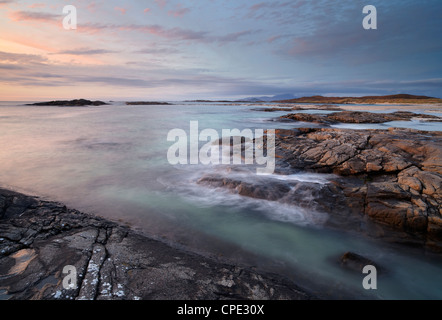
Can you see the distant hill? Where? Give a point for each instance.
(397, 98)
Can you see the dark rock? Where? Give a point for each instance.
(307, 117)
(273, 109)
(359, 117)
(112, 261)
(311, 196)
(356, 262)
(70, 103)
(274, 191)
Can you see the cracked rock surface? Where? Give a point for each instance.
(38, 239)
(393, 177)
(388, 183)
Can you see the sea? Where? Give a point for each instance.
(111, 161)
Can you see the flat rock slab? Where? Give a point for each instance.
(393, 177)
(39, 239)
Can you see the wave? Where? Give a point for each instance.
(185, 185)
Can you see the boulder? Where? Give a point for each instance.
(356, 262)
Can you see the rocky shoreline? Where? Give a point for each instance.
(386, 184)
(392, 177)
(359, 117)
(39, 238)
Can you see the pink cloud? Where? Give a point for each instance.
(94, 28)
(146, 10)
(161, 3)
(91, 7)
(37, 5)
(173, 33)
(273, 38)
(122, 10)
(179, 11)
(34, 16)
(258, 6)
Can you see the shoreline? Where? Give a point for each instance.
(39, 238)
(387, 182)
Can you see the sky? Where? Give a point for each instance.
(218, 49)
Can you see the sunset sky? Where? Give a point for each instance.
(218, 49)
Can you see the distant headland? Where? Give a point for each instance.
(395, 99)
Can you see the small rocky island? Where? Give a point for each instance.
(69, 103)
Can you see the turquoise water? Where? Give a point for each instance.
(111, 161)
